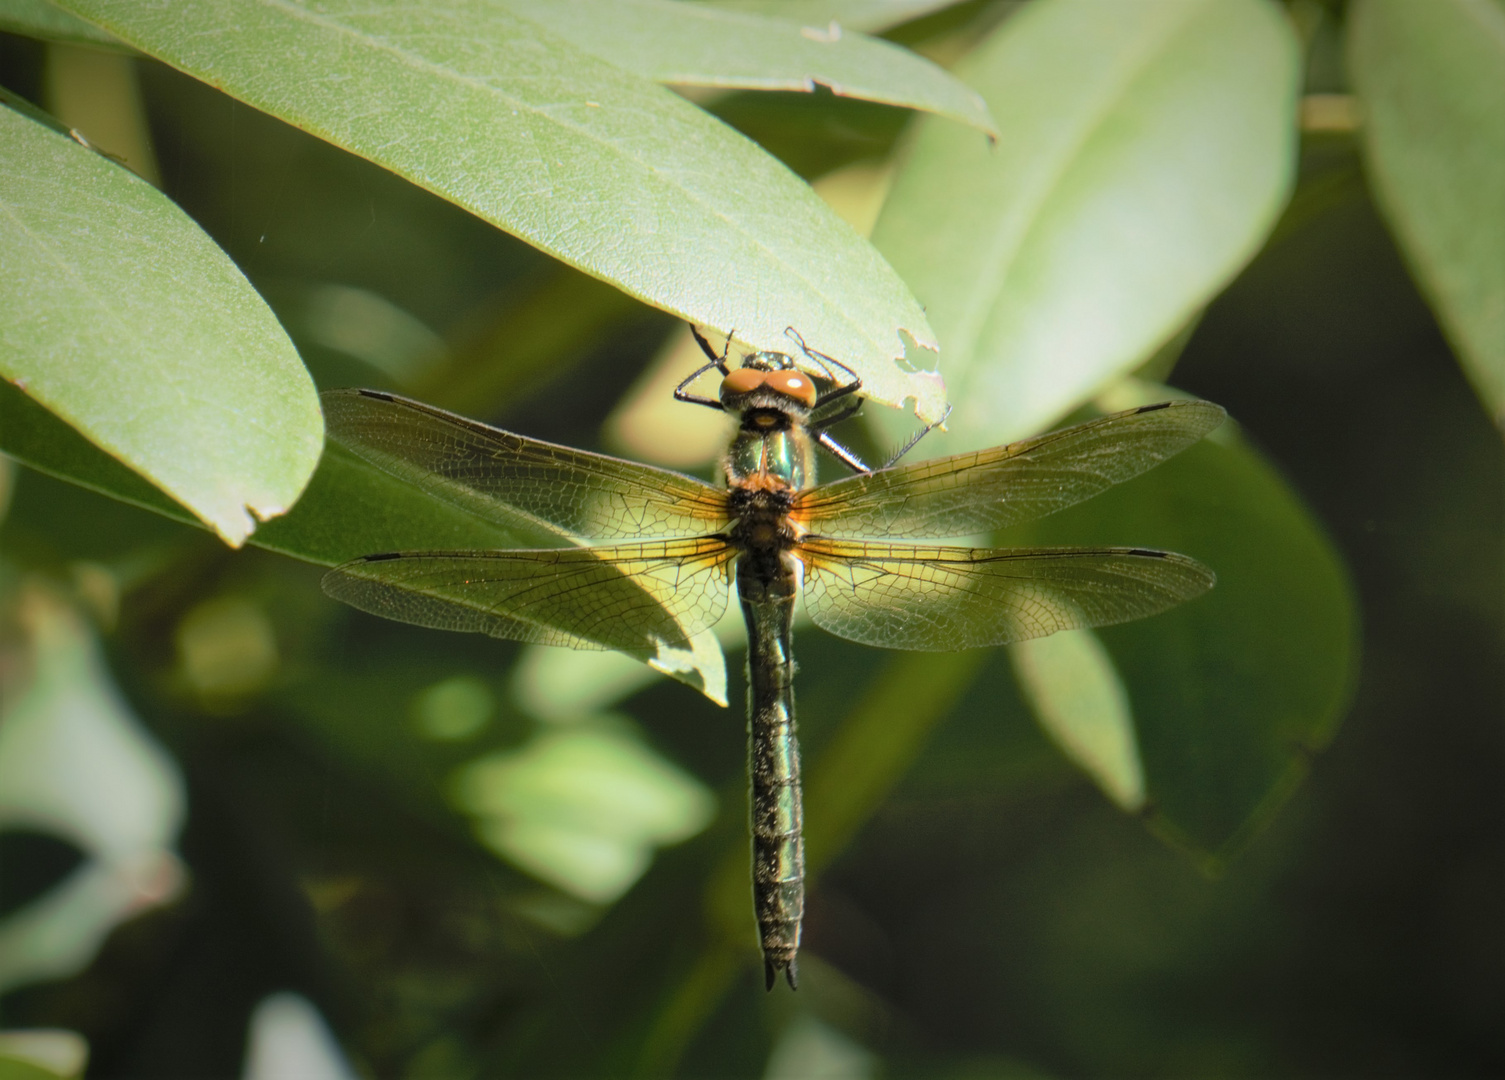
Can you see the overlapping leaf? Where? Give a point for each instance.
(689, 45)
(121, 316)
(1146, 149)
(620, 178)
(349, 509)
(41, 19)
(1432, 79)
(868, 16)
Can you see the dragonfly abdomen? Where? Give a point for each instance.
(773, 761)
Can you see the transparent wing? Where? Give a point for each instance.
(990, 489)
(515, 480)
(941, 599)
(636, 598)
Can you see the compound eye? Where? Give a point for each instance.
(793, 384)
(741, 381)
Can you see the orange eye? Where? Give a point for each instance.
(794, 384)
(742, 381)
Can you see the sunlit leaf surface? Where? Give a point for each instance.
(41, 19)
(621, 178)
(1080, 700)
(29, 433)
(124, 318)
(1432, 80)
(686, 44)
(869, 16)
(1145, 149)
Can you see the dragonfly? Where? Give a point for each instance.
(657, 554)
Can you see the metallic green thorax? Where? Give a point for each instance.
(771, 459)
(783, 455)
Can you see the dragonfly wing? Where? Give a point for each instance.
(515, 480)
(990, 489)
(636, 598)
(941, 599)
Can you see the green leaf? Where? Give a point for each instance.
(40, 19)
(36, 437)
(685, 44)
(1232, 693)
(1147, 147)
(122, 317)
(350, 508)
(582, 807)
(1080, 700)
(1432, 80)
(556, 684)
(868, 16)
(622, 179)
(20, 1068)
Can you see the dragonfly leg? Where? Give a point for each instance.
(716, 362)
(840, 390)
(841, 453)
(917, 436)
(826, 361)
(845, 411)
(681, 394)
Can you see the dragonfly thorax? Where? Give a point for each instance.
(772, 448)
(761, 523)
(761, 499)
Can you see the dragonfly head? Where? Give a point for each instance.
(750, 386)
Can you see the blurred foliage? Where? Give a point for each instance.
(407, 851)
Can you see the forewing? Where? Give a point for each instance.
(636, 598)
(517, 481)
(941, 599)
(990, 489)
